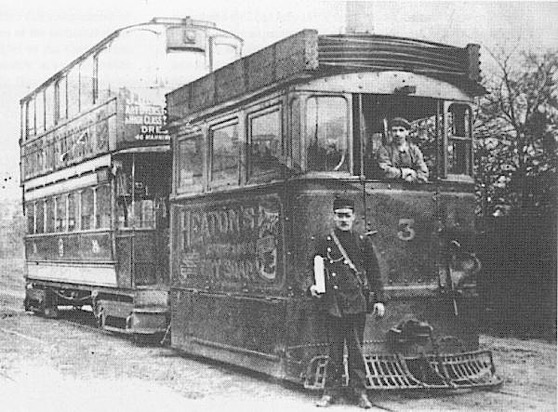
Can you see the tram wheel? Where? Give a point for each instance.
(51, 312)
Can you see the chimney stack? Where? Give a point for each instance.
(358, 17)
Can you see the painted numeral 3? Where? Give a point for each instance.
(406, 231)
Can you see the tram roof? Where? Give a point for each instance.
(307, 54)
(159, 21)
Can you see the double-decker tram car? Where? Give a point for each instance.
(96, 167)
(261, 148)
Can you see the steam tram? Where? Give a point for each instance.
(260, 149)
(95, 172)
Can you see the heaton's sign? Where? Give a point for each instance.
(230, 244)
(144, 122)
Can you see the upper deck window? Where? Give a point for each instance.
(60, 100)
(30, 118)
(326, 134)
(224, 149)
(223, 51)
(50, 103)
(40, 112)
(73, 92)
(264, 152)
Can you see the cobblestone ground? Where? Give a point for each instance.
(67, 365)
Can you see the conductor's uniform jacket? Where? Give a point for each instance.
(345, 293)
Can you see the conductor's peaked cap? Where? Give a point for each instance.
(343, 203)
(399, 121)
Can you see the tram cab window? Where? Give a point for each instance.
(224, 149)
(326, 134)
(459, 140)
(264, 145)
(427, 117)
(142, 187)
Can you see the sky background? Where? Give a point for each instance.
(38, 37)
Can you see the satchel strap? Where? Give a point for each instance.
(346, 257)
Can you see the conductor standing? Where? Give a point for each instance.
(350, 272)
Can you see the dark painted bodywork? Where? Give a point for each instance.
(241, 267)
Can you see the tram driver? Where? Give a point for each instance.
(350, 287)
(402, 159)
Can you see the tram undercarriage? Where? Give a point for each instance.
(136, 312)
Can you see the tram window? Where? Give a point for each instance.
(87, 207)
(179, 68)
(264, 151)
(73, 92)
(72, 212)
(40, 112)
(60, 97)
(50, 215)
(49, 106)
(295, 135)
(30, 213)
(144, 214)
(102, 79)
(459, 140)
(30, 118)
(86, 84)
(103, 207)
(60, 214)
(326, 134)
(223, 52)
(40, 217)
(190, 162)
(224, 154)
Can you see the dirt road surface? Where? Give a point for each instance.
(68, 365)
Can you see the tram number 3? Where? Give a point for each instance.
(406, 231)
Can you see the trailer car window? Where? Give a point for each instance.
(61, 213)
(87, 209)
(50, 215)
(103, 207)
(30, 212)
(72, 212)
(40, 217)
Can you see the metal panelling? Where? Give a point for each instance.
(77, 274)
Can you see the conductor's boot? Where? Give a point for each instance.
(363, 401)
(326, 400)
